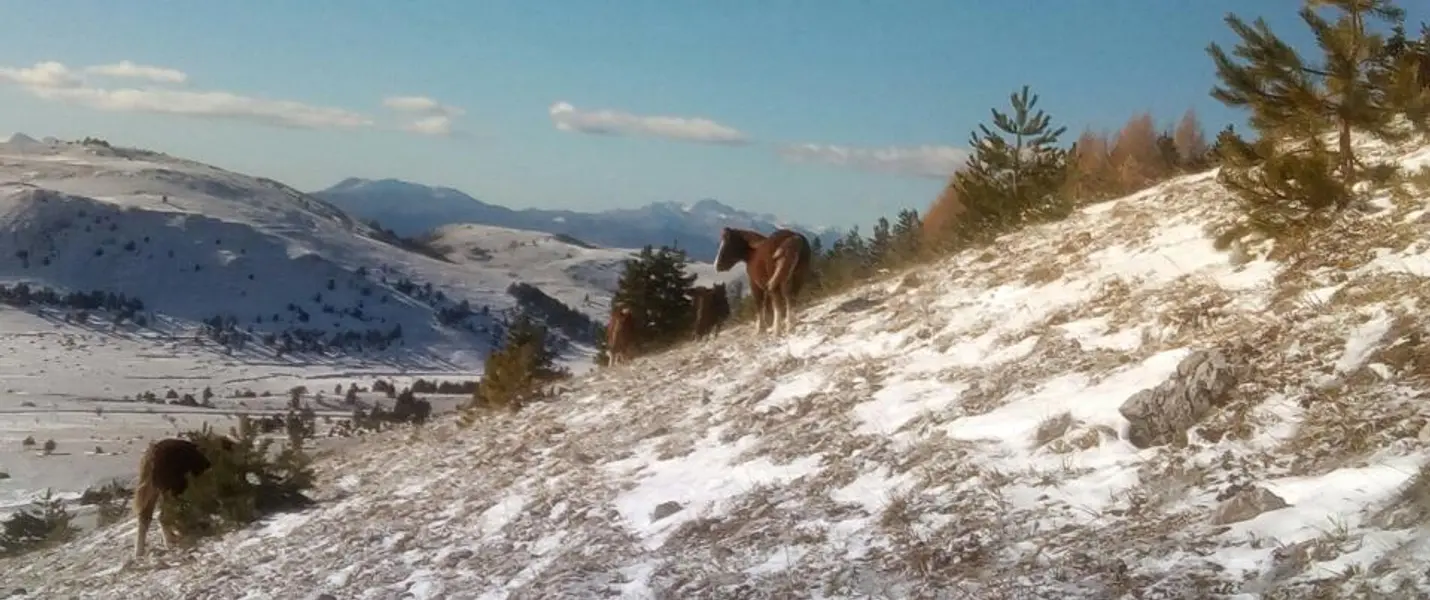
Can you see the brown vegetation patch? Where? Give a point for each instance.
(1082, 438)
(1044, 273)
(1343, 424)
(1407, 353)
(1377, 288)
(1052, 428)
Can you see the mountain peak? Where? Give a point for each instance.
(20, 138)
(712, 205)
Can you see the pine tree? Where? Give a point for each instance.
(656, 287)
(1014, 178)
(881, 243)
(1406, 77)
(513, 375)
(1289, 176)
(906, 231)
(526, 331)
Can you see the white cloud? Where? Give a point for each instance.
(48, 74)
(937, 162)
(425, 115)
(223, 105)
(128, 69)
(54, 81)
(433, 125)
(610, 122)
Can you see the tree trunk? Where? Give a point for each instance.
(1348, 161)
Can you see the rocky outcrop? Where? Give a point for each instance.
(1203, 381)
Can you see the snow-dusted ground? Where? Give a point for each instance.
(951, 431)
(193, 241)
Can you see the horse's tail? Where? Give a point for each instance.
(786, 264)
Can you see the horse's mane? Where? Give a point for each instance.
(751, 238)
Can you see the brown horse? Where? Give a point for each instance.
(164, 470)
(776, 265)
(619, 332)
(712, 307)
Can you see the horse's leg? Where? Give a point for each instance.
(774, 311)
(759, 296)
(776, 308)
(786, 304)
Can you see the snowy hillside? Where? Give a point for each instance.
(172, 243)
(578, 274)
(192, 242)
(957, 430)
(411, 209)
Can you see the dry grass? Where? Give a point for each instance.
(1044, 273)
(1052, 428)
(1411, 506)
(1345, 424)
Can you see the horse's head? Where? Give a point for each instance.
(733, 248)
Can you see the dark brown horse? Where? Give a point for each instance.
(164, 470)
(619, 332)
(776, 265)
(712, 307)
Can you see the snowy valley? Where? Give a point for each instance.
(961, 429)
(127, 272)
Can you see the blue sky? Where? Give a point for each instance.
(295, 90)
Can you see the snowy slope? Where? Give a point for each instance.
(578, 274)
(193, 242)
(952, 431)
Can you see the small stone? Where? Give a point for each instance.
(665, 509)
(326, 597)
(1246, 505)
(4, 475)
(456, 557)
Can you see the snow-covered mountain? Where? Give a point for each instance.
(973, 428)
(166, 245)
(411, 209)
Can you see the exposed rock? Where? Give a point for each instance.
(1203, 381)
(665, 509)
(457, 557)
(1247, 505)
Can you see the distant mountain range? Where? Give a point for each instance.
(410, 209)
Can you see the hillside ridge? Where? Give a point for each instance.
(955, 428)
(415, 209)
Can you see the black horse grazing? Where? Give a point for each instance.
(164, 470)
(712, 307)
(777, 266)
